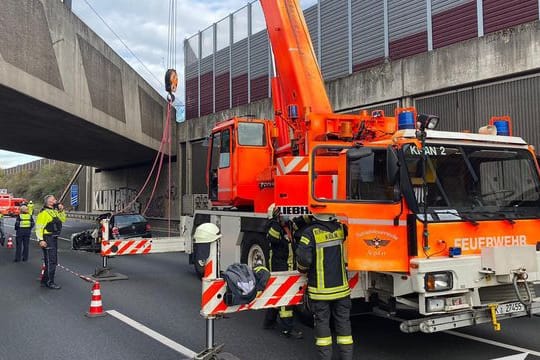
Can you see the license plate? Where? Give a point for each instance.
(510, 308)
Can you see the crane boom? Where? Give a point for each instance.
(299, 78)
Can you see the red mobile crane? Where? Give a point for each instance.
(437, 220)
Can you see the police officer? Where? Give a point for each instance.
(23, 227)
(320, 255)
(281, 259)
(48, 226)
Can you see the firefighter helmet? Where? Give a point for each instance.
(206, 233)
(273, 211)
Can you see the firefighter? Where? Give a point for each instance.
(320, 255)
(48, 226)
(298, 224)
(31, 208)
(23, 227)
(280, 240)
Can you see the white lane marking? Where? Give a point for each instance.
(513, 357)
(493, 342)
(155, 335)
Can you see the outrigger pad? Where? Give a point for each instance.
(105, 274)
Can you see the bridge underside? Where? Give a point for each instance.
(32, 127)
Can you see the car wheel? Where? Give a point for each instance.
(254, 252)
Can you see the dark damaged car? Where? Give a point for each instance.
(121, 226)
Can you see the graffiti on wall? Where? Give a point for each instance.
(159, 206)
(116, 200)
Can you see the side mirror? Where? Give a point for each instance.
(358, 153)
(392, 165)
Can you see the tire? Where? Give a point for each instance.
(254, 251)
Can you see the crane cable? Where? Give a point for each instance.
(171, 80)
(166, 135)
(158, 155)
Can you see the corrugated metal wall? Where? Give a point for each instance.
(239, 73)
(312, 22)
(500, 14)
(207, 85)
(334, 60)
(259, 65)
(367, 33)
(453, 21)
(407, 26)
(222, 79)
(471, 108)
(191, 58)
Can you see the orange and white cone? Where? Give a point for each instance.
(96, 307)
(9, 243)
(40, 278)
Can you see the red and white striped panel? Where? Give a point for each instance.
(283, 288)
(292, 164)
(125, 247)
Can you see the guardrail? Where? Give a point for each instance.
(157, 223)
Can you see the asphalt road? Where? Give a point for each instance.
(163, 294)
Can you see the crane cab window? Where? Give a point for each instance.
(225, 149)
(338, 177)
(367, 179)
(251, 134)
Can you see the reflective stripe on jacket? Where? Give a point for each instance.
(24, 221)
(46, 216)
(320, 254)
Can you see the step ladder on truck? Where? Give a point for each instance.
(443, 223)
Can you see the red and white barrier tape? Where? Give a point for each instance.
(77, 274)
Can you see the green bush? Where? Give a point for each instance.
(34, 185)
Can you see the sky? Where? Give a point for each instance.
(143, 27)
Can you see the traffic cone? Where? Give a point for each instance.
(9, 243)
(96, 307)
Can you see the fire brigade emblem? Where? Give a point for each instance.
(376, 242)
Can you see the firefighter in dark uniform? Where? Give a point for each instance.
(280, 240)
(48, 226)
(298, 224)
(320, 255)
(23, 229)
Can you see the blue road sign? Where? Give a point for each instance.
(74, 195)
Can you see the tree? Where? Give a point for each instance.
(34, 185)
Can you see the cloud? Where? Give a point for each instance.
(143, 26)
(10, 159)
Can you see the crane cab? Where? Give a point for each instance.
(240, 153)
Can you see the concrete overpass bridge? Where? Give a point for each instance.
(66, 95)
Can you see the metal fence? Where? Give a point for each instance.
(228, 63)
